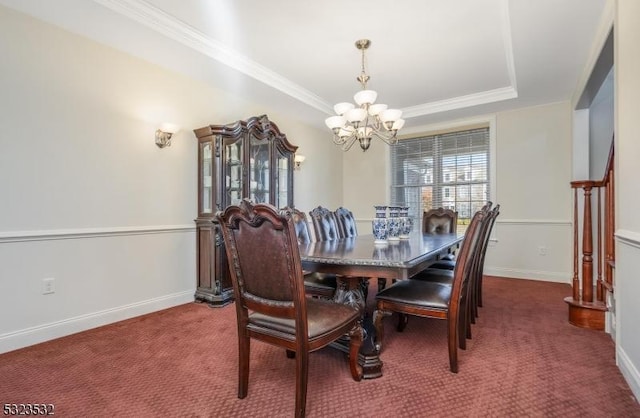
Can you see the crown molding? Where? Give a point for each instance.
(460, 102)
(167, 25)
(483, 97)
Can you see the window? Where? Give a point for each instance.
(449, 170)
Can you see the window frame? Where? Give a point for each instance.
(448, 127)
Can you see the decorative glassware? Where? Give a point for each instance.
(379, 225)
(393, 223)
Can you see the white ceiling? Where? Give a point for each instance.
(437, 60)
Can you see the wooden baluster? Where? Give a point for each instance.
(600, 254)
(575, 282)
(583, 310)
(587, 246)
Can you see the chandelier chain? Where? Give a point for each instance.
(363, 78)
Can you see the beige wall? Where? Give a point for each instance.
(88, 198)
(366, 181)
(533, 175)
(533, 151)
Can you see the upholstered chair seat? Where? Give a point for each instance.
(421, 294)
(443, 264)
(448, 257)
(444, 276)
(322, 317)
(320, 284)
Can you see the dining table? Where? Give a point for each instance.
(356, 260)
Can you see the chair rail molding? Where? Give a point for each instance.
(627, 237)
(551, 222)
(76, 233)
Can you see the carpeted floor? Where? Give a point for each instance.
(524, 360)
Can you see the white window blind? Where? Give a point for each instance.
(449, 170)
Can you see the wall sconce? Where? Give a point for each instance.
(164, 134)
(298, 160)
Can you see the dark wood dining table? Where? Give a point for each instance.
(357, 259)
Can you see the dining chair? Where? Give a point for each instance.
(448, 261)
(431, 299)
(346, 223)
(347, 228)
(315, 284)
(480, 275)
(271, 305)
(440, 221)
(445, 275)
(438, 270)
(325, 226)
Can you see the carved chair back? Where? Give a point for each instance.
(316, 284)
(477, 292)
(301, 225)
(346, 223)
(264, 261)
(439, 221)
(324, 224)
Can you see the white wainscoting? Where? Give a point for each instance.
(535, 249)
(627, 309)
(102, 275)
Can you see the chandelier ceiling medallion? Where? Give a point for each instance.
(368, 119)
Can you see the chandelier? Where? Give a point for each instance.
(366, 120)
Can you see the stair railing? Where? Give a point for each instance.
(585, 310)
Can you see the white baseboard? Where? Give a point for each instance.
(35, 335)
(629, 371)
(543, 276)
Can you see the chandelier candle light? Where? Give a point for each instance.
(368, 119)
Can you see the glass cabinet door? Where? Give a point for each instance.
(259, 170)
(234, 181)
(283, 165)
(206, 178)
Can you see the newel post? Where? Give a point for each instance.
(584, 311)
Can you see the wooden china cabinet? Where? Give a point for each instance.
(246, 159)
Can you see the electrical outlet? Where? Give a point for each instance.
(542, 250)
(48, 286)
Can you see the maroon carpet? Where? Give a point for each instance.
(524, 360)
